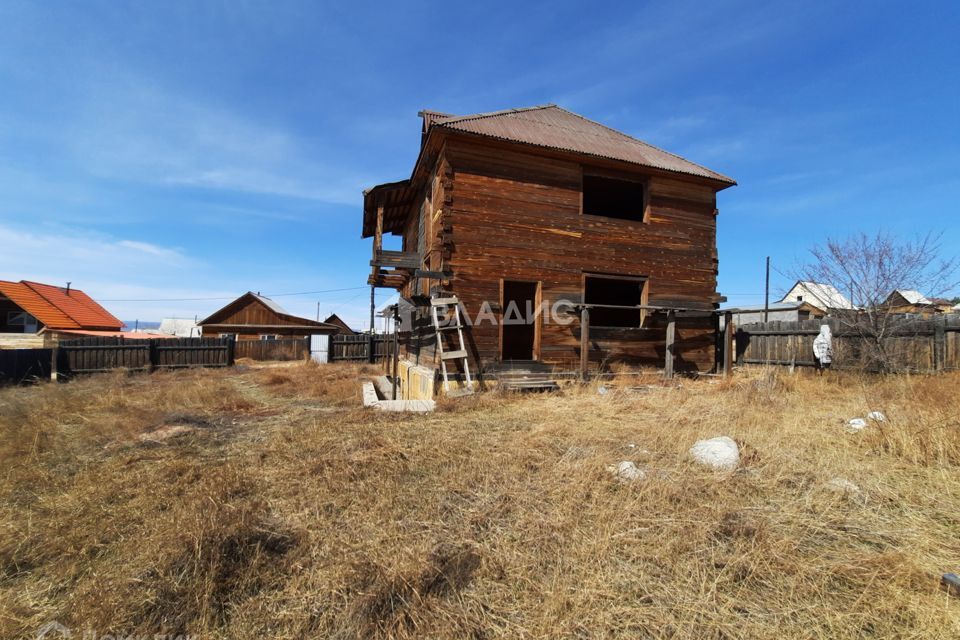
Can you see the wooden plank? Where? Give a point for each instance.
(669, 345)
(584, 343)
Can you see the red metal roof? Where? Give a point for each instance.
(553, 127)
(129, 335)
(58, 309)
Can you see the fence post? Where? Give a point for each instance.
(727, 343)
(668, 351)
(153, 355)
(584, 343)
(231, 346)
(939, 342)
(371, 356)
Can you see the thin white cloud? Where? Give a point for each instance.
(151, 249)
(139, 131)
(124, 126)
(64, 254)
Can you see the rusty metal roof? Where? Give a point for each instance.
(554, 127)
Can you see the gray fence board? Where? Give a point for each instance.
(920, 345)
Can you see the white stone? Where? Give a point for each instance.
(627, 471)
(856, 424)
(719, 453)
(877, 416)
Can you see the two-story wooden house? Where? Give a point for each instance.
(542, 209)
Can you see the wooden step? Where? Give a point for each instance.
(529, 385)
(443, 302)
(451, 327)
(454, 355)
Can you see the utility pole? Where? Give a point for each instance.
(766, 293)
(318, 311)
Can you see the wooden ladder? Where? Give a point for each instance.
(459, 353)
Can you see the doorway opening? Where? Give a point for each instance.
(519, 320)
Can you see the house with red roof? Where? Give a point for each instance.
(32, 312)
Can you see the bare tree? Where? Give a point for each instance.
(871, 268)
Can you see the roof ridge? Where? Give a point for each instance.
(645, 143)
(490, 114)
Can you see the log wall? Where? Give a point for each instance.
(516, 215)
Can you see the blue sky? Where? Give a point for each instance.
(158, 151)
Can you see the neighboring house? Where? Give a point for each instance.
(823, 296)
(337, 321)
(36, 314)
(528, 208)
(777, 312)
(912, 301)
(255, 317)
(943, 305)
(180, 327)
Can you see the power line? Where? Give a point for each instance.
(272, 295)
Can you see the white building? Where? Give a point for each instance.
(822, 296)
(777, 311)
(180, 327)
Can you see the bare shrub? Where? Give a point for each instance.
(871, 268)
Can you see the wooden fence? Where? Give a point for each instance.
(22, 365)
(357, 348)
(916, 344)
(92, 355)
(284, 349)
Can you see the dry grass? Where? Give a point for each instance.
(278, 509)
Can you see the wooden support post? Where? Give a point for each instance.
(371, 342)
(584, 344)
(939, 342)
(231, 350)
(373, 303)
(396, 348)
(671, 337)
(727, 343)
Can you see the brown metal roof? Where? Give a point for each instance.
(553, 127)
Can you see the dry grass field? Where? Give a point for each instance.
(263, 503)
